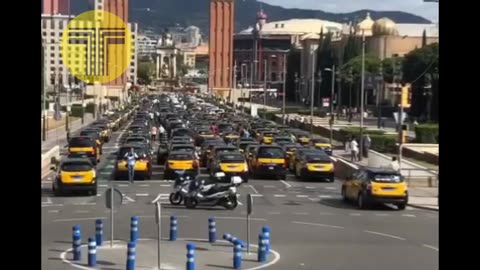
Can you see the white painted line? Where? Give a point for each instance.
(145, 185)
(302, 196)
(309, 187)
(159, 197)
(142, 195)
(355, 214)
(257, 195)
(273, 213)
(386, 235)
(330, 188)
(381, 215)
(78, 219)
(408, 215)
(241, 218)
(269, 186)
(102, 185)
(254, 190)
(312, 199)
(129, 199)
(238, 201)
(49, 201)
(51, 205)
(285, 183)
(82, 211)
(431, 247)
(109, 167)
(318, 224)
(99, 194)
(325, 196)
(122, 185)
(279, 195)
(53, 211)
(301, 213)
(164, 216)
(164, 185)
(325, 214)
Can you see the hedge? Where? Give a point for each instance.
(90, 108)
(426, 133)
(355, 131)
(76, 111)
(384, 143)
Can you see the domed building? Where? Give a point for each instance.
(384, 27)
(365, 27)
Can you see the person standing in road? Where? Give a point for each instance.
(354, 149)
(394, 164)
(153, 133)
(131, 158)
(367, 142)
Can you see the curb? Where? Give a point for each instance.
(423, 207)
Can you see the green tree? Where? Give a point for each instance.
(146, 71)
(326, 61)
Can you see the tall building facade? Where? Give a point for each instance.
(221, 46)
(55, 7)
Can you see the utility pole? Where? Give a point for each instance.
(362, 95)
(284, 87)
(312, 94)
(265, 90)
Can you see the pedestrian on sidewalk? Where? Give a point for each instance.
(153, 133)
(367, 142)
(131, 158)
(354, 149)
(394, 164)
(161, 130)
(346, 143)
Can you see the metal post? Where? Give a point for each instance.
(331, 104)
(111, 217)
(284, 87)
(159, 232)
(265, 90)
(362, 93)
(83, 103)
(312, 93)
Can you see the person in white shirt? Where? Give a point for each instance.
(153, 133)
(131, 158)
(394, 164)
(354, 149)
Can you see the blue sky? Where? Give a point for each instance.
(417, 7)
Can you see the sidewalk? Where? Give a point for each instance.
(58, 136)
(420, 196)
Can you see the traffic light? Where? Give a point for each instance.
(405, 97)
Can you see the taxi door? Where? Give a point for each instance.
(355, 185)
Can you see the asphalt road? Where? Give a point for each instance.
(312, 228)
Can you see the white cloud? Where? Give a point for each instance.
(417, 7)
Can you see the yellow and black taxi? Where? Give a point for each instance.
(293, 157)
(232, 164)
(94, 134)
(202, 134)
(248, 153)
(316, 165)
(370, 186)
(181, 161)
(242, 145)
(301, 136)
(231, 137)
(206, 148)
(282, 139)
(217, 149)
(143, 165)
(267, 136)
(268, 161)
(105, 131)
(290, 149)
(163, 150)
(322, 144)
(84, 145)
(74, 174)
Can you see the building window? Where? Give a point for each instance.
(52, 69)
(44, 33)
(60, 24)
(52, 40)
(52, 48)
(52, 55)
(273, 76)
(52, 34)
(274, 63)
(61, 69)
(52, 61)
(44, 24)
(52, 24)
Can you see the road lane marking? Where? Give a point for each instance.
(51, 205)
(408, 215)
(159, 197)
(309, 187)
(301, 213)
(122, 185)
(355, 214)
(53, 211)
(102, 185)
(325, 196)
(269, 186)
(164, 216)
(381, 215)
(279, 195)
(318, 224)
(386, 235)
(77, 219)
(286, 184)
(254, 190)
(165, 185)
(49, 201)
(241, 218)
(238, 200)
(257, 195)
(142, 195)
(145, 185)
(430, 247)
(82, 211)
(302, 196)
(312, 199)
(331, 188)
(129, 199)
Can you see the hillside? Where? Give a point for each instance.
(159, 14)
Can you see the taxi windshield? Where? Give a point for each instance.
(179, 156)
(80, 142)
(139, 151)
(76, 167)
(270, 152)
(387, 178)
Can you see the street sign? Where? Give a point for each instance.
(369, 81)
(117, 198)
(249, 204)
(326, 102)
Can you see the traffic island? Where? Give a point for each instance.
(174, 256)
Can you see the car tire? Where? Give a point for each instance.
(331, 179)
(361, 201)
(344, 194)
(401, 206)
(93, 192)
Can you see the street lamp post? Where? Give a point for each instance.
(265, 90)
(332, 93)
(312, 93)
(284, 87)
(362, 93)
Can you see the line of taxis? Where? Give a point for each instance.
(77, 171)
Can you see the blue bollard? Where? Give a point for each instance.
(227, 237)
(92, 252)
(190, 256)
(173, 228)
(230, 238)
(131, 256)
(99, 232)
(266, 232)
(212, 230)
(237, 255)
(261, 255)
(134, 229)
(76, 243)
